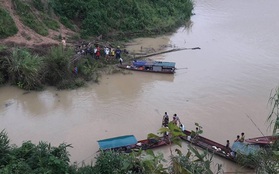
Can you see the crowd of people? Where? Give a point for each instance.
(176, 121)
(98, 51)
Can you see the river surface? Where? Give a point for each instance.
(227, 84)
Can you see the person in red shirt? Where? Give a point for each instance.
(98, 52)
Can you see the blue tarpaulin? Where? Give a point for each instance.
(244, 148)
(116, 142)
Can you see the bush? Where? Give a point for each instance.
(28, 18)
(24, 69)
(7, 24)
(59, 65)
(117, 17)
(38, 5)
(2, 78)
(50, 23)
(4, 148)
(33, 159)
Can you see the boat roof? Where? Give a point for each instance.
(116, 142)
(244, 148)
(153, 63)
(262, 140)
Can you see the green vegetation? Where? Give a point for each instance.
(266, 160)
(44, 158)
(23, 69)
(7, 24)
(29, 18)
(110, 19)
(120, 18)
(49, 22)
(60, 68)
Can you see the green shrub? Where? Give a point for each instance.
(7, 24)
(24, 69)
(116, 17)
(38, 5)
(87, 68)
(32, 159)
(2, 78)
(49, 22)
(29, 18)
(65, 21)
(4, 148)
(59, 65)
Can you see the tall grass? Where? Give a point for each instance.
(58, 65)
(29, 18)
(24, 69)
(7, 24)
(116, 17)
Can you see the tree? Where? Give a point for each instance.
(273, 117)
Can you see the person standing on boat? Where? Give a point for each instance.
(165, 120)
(228, 145)
(228, 149)
(237, 138)
(242, 137)
(182, 127)
(176, 119)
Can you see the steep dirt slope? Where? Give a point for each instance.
(26, 36)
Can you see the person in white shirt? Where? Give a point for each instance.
(182, 127)
(106, 50)
(120, 60)
(176, 119)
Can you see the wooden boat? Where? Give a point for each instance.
(150, 66)
(263, 141)
(128, 143)
(211, 146)
(244, 148)
(237, 149)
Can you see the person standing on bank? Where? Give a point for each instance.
(98, 52)
(63, 41)
(117, 53)
(165, 120)
(120, 61)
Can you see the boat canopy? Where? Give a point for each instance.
(164, 64)
(139, 63)
(116, 142)
(244, 148)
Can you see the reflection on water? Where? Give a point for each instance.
(230, 77)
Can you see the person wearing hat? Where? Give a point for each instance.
(117, 53)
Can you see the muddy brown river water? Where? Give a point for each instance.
(230, 77)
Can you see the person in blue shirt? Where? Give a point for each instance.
(117, 53)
